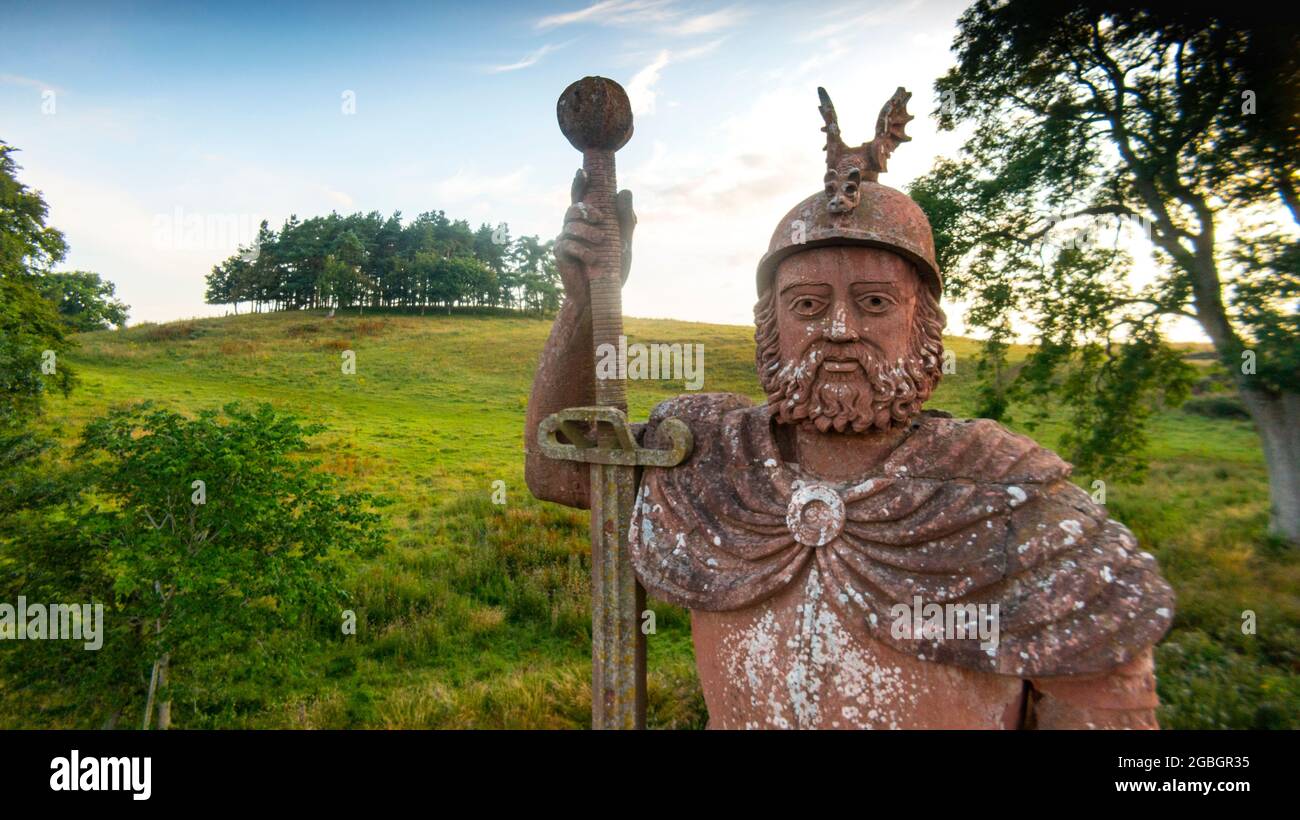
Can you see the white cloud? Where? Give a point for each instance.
(612, 13)
(529, 60)
(114, 233)
(832, 51)
(661, 15)
(698, 51)
(18, 79)
(641, 89)
(881, 15)
(466, 185)
(706, 23)
(337, 197)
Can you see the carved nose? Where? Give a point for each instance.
(840, 330)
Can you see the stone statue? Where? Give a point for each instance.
(851, 560)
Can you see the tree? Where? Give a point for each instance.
(1183, 125)
(460, 279)
(27, 244)
(492, 248)
(32, 338)
(536, 273)
(216, 528)
(84, 300)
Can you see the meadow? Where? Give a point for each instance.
(476, 614)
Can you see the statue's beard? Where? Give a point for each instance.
(876, 394)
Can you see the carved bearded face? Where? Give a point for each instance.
(849, 339)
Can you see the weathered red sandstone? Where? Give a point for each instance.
(796, 530)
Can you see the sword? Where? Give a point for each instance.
(596, 117)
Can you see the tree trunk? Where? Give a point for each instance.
(148, 703)
(111, 722)
(1277, 417)
(164, 706)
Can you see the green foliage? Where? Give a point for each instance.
(188, 572)
(1097, 120)
(1266, 298)
(84, 300)
(264, 548)
(1210, 686)
(27, 244)
(367, 260)
(32, 340)
(31, 334)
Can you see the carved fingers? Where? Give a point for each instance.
(573, 247)
(626, 227)
(576, 248)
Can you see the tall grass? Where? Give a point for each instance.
(478, 614)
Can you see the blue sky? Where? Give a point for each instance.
(134, 117)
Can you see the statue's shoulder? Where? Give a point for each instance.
(710, 416)
(943, 447)
(704, 413)
(702, 408)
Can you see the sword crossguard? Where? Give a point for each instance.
(624, 451)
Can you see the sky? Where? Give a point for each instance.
(141, 122)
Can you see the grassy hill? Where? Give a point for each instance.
(477, 614)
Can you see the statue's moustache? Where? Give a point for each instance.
(846, 386)
(818, 352)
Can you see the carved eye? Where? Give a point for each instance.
(830, 189)
(875, 302)
(807, 305)
(850, 188)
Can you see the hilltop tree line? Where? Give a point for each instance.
(368, 260)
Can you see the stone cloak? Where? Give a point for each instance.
(962, 512)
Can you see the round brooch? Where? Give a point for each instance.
(815, 515)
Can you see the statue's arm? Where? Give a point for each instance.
(565, 378)
(1124, 698)
(566, 372)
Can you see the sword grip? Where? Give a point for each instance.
(606, 284)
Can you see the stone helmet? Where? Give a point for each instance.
(854, 209)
